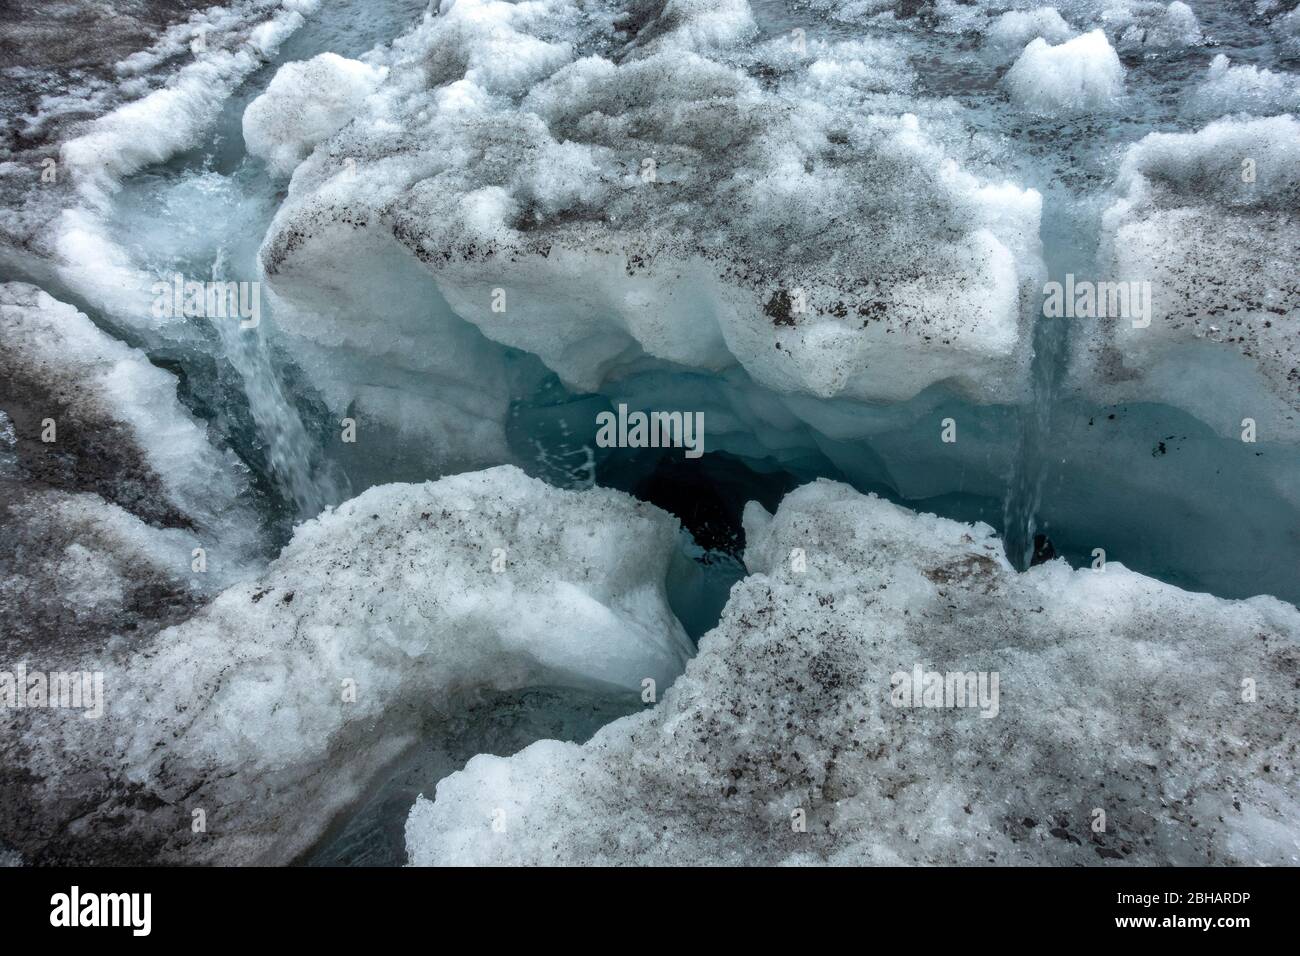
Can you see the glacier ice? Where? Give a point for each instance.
(154, 104)
(569, 182)
(274, 706)
(781, 744)
(115, 427)
(1209, 219)
(1012, 30)
(1245, 88)
(1149, 25)
(80, 571)
(826, 227)
(158, 125)
(118, 515)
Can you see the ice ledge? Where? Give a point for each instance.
(596, 195)
(1209, 220)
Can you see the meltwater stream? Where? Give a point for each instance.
(202, 215)
(289, 447)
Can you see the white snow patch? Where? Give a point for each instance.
(1079, 76)
(305, 103)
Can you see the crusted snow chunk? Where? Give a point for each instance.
(276, 704)
(1151, 26)
(112, 420)
(1078, 76)
(1013, 29)
(1244, 89)
(562, 181)
(305, 103)
(1209, 219)
(1287, 27)
(1166, 170)
(1130, 721)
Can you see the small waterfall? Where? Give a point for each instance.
(1024, 495)
(1068, 234)
(290, 450)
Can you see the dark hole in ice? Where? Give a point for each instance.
(1043, 550)
(707, 494)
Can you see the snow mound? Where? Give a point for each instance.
(1078, 76)
(1146, 26)
(1131, 721)
(1209, 219)
(1244, 89)
(559, 175)
(276, 704)
(304, 104)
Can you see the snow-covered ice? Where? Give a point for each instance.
(115, 427)
(1209, 219)
(278, 702)
(563, 187)
(304, 104)
(1132, 721)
